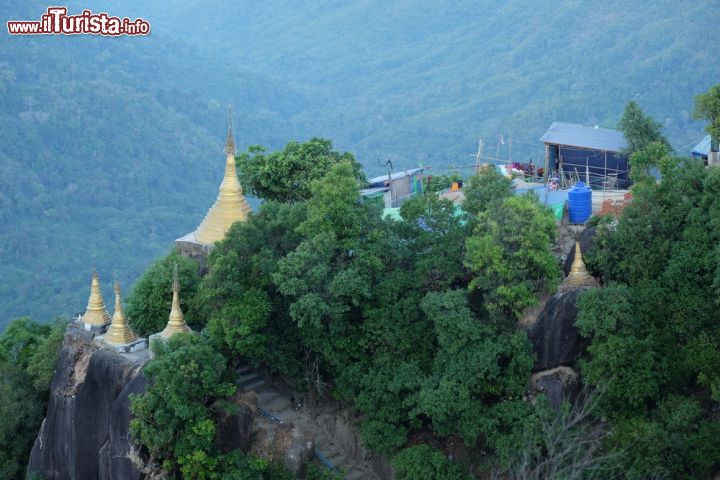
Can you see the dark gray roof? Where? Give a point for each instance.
(702, 149)
(575, 135)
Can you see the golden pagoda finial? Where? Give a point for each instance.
(579, 276)
(96, 314)
(119, 332)
(230, 205)
(176, 322)
(230, 143)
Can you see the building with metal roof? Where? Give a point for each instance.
(401, 186)
(592, 154)
(702, 149)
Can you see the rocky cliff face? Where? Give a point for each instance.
(85, 431)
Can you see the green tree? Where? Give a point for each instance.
(707, 106)
(436, 183)
(174, 418)
(28, 354)
(287, 175)
(331, 272)
(510, 254)
(248, 316)
(423, 461)
(485, 402)
(486, 189)
(654, 154)
(640, 129)
(148, 305)
(653, 329)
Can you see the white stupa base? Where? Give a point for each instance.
(139, 344)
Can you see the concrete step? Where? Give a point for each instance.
(244, 370)
(253, 385)
(247, 376)
(267, 396)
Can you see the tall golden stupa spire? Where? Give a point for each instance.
(176, 322)
(579, 276)
(230, 205)
(96, 315)
(119, 332)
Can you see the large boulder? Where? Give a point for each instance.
(84, 434)
(558, 384)
(587, 237)
(554, 337)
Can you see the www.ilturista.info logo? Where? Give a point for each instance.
(57, 22)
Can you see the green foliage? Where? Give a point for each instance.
(653, 328)
(639, 129)
(435, 183)
(28, 354)
(148, 305)
(707, 107)
(238, 326)
(287, 175)
(654, 154)
(461, 403)
(485, 190)
(423, 461)
(510, 254)
(41, 365)
(173, 419)
(239, 290)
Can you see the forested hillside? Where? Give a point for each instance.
(108, 149)
(423, 81)
(112, 146)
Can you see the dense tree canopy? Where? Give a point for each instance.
(28, 354)
(707, 106)
(640, 129)
(654, 328)
(287, 175)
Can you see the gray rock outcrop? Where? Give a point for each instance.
(84, 434)
(555, 339)
(558, 384)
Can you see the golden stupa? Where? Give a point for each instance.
(230, 205)
(96, 314)
(176, 322)
(579, 276)
(119, 332)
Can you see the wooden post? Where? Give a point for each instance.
(587, 171)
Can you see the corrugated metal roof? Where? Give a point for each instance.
(371, 191)
(382, 178)
(702, 149)
(575, 135)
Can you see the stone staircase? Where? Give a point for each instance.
(274, 399)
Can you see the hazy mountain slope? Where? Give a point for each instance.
(423, 80)
(105, 150)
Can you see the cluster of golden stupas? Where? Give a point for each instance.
(229, 207)
(119, 333)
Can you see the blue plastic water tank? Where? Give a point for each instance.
(580, 203)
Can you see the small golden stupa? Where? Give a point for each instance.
(96, 315)
(230, 205)
(176, 322)
(579, 276)
(119, 332)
